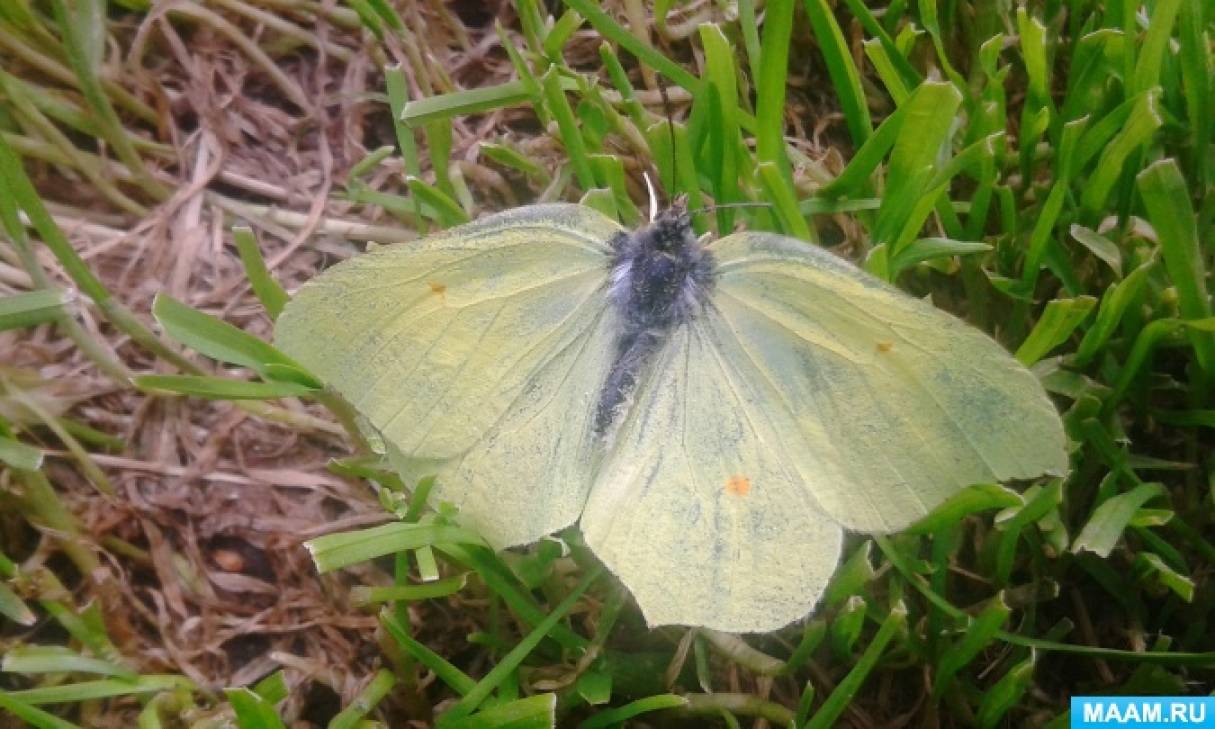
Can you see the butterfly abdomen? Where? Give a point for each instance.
(660, 278)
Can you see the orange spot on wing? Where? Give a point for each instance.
(738, 485)
(438, 288)
(885, 346)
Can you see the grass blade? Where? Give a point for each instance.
(434, 198)
(33, 715)
(1144, 119)
(613, 31)
(375, 690)
(844, 692)
(220, 388)
(222, 341)
(33, 308)
(510, 662)
(979, 635)
(13, 608)
(1006, 692)
(721, 93)
(1059, 320)
(335, 551)
(101, 689)
(770, 88)
(1167, 200)
(363, 595)
(534, 712)
(1114, 303)
(459, 681)
(265, 287)
(58, 659)
(921, 136)
(841, 69)
(973, 500)
(571, 137)
(252, 711)
(869, 22)
(1110, 519)
(420, 112)
(618, 716)
(1155, 44)
(1196, 82)
(928, 249)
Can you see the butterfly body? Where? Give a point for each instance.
(660, 277)
(713, 416)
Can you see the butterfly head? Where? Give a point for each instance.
(661, 272)
(671, 231)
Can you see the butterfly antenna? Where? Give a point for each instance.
(649, 185)
(666, 107)
(750, 204)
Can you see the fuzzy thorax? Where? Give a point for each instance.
(660, 278)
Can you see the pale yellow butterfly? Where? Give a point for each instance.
(714, 416)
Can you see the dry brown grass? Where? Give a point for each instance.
(202, 570)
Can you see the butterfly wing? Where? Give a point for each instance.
(807, 396)
(695, 506)
(475, 353)
(885, 405)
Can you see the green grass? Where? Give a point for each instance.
(1044, 172)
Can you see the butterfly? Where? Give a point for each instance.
(714, 415)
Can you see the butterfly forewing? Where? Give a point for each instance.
(475, 352)
(894, 405)
(695, 507)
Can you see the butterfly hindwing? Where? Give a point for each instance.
(694, 508)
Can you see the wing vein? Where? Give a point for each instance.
(418, 361)
(912, 377)
(451, 381)
(577, 313)
(729, 376)
(866, 314)
(785, 402)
